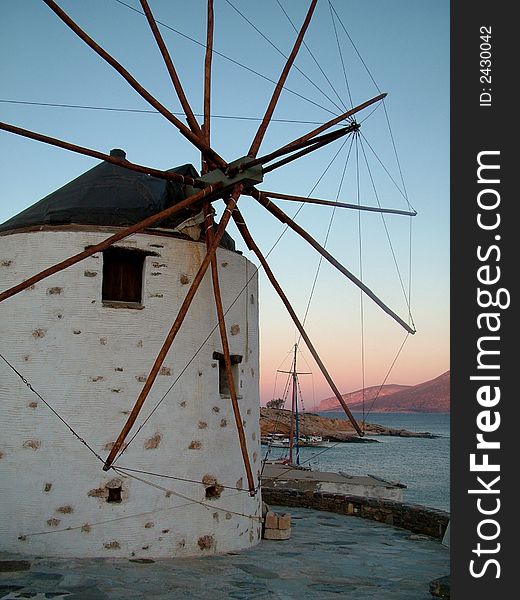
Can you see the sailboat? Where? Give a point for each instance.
(294, 441)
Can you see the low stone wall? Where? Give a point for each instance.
(414, 517)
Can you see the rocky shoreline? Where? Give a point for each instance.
(275, 420)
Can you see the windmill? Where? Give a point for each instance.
(219, 180)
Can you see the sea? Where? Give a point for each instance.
(422, 464)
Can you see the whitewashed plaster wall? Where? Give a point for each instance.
(89, 361)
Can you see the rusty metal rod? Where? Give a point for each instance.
(175, 328)
(185, 131)
(281, 216)
(208, 225)
(393, 211)
(190, 117)
(310, 148)
(335, 121)
(148, 222)
(242, 227)
(120, 162)
(255, 145)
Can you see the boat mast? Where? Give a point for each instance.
(294, 428)
(294, 413)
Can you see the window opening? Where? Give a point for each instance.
(114, 494)
(123, 276)
(223, 386)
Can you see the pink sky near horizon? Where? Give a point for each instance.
(424, 356)
(315, 389)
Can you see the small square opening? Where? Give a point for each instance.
(114, 494)
(123, 276)
(223, 386)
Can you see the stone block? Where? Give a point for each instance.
(284, 521)
(277, 534)
(271, 520)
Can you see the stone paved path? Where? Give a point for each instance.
(329, 556)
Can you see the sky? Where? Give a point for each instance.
(401, 158)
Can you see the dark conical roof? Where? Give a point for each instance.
(106, 195)
(110, 195)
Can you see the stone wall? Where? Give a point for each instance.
(414, 517)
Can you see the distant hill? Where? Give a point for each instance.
(429, 396)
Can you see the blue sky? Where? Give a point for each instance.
(404, 44)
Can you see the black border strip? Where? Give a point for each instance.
(483, 124)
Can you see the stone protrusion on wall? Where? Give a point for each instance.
(32, 444)
(54, 291)
(277, 526)
(153, 442)
(113, 545)
(206, 542)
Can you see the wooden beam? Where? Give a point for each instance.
(334, 121)
(207, 73)
(242, 227)
(393, 211)
(281, 216)
(324, 139)
(123, 233)
(311, 147)
(208, 225)
(185, 131)
(257, 141)
(120, 162)
(175, 327)
(190, 117)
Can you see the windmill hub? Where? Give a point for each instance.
(237, 172)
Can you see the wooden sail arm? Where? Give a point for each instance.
(257, 141)
(190, 117)
(281, 216)
(392, 211)
(324, 139)
(334, 121)
(121, 162)
(311, 148)
(208, 226)
(206, 125)
(242, 227)
(184, 130)
(208, 192)
(175, 328)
